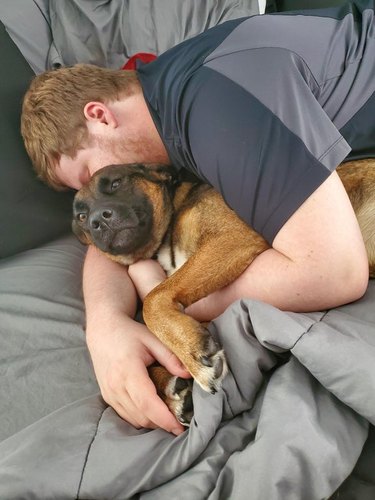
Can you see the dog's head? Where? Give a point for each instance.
(125, 210)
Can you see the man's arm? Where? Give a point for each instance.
(318, 260)
(121, 348)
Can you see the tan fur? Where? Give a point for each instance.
(358, 178)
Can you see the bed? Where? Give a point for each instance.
(295, 417)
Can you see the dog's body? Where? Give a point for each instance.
(133, 212)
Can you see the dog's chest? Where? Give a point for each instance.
(171, 259)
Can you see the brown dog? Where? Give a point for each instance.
(133, 212)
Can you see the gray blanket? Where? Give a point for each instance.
(290, 422)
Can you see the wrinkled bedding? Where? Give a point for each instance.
(291, 420)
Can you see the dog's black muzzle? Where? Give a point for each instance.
(119, 229)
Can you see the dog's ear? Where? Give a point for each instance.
(81, 235)
(161, 173)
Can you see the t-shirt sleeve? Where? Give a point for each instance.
(264, 149)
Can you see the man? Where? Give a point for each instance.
(262, 109)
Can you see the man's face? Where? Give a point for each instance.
(76, 172)
(118, 132)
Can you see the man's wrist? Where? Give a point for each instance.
(103, 325)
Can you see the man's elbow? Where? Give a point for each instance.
(343, 281)
(353, 280)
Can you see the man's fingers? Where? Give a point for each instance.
(174, 366)
(131, 414)
(127, 410)
(143, 394)
(123, 405)
(166, 358)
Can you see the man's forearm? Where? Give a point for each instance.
(273, 278)
(107, 288)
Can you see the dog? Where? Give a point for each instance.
(134, 211)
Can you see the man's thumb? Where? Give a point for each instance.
(167, 359)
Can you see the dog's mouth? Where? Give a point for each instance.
(122, 240)
(125, 240)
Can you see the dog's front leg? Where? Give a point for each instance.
(213, 266)
(188, 339)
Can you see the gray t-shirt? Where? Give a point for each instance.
(258, 106)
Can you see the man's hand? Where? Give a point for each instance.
(120, 357)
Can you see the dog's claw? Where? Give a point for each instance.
(206, 361)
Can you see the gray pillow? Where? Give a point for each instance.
(108, 33)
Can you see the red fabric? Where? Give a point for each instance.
(144, 57)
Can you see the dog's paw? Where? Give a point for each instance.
(178, 397)
(212, 365)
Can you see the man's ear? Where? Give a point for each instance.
(96, 111)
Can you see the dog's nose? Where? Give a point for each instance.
(100, 216)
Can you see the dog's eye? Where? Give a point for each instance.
(115, 184)
(82, 217)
